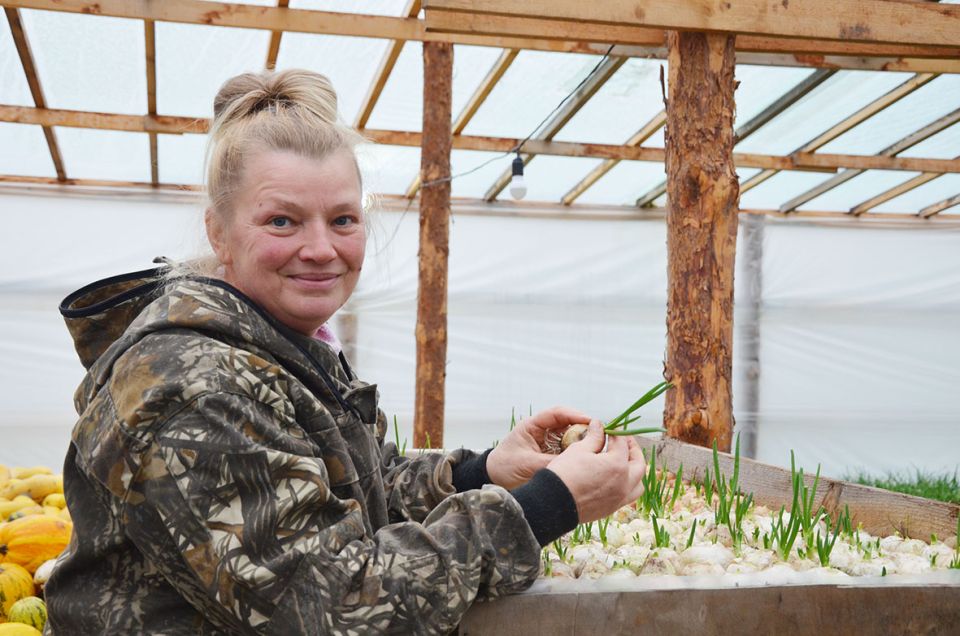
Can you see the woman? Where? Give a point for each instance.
(228, 472)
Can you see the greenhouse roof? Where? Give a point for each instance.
(122, 99)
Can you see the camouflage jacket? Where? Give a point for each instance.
(227, 475)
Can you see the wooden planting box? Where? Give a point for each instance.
(744, 604)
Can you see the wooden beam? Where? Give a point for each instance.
(480, 24)
(431, 330)
(652, 126)
(549, 129)
(273, 50)
(894, 192)
(170, 124)
(33, 82)
(783, 52)
(387, 62)
(494, 75)
(875, 21)
(150, 42)
(782, 103)
(701, 238)
(20, 184)
(903, 144)
(937, 208)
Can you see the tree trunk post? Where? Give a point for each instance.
(702, 191)
(431, 331)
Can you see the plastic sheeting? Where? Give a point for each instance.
(858, 327)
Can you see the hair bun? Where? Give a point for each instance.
(249, 93)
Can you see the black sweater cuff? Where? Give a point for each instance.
(471, 473)
(547, 505)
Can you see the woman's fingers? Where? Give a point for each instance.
(558, 417)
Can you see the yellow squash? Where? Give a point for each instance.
(29, 541)
(15, 584)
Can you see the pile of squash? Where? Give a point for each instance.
(35, 528)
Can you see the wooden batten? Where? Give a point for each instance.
(701, 238)
(894, 192)
(431, 330)
(273, 50)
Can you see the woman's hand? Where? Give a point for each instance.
(601, 481)
(515, 459)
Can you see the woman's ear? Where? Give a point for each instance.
(215, 234)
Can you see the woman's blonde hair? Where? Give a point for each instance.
(293, 110)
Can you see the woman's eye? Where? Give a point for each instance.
(343, 220)
(280, 222)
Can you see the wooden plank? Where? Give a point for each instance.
(936, 208)
(279, 19)
(431, 329)
(892, 193)
(880, 511)
(483, 90)
(33, 82)
(896, 148)
(647, 131)
(97, 183)
(549, 129)
(387, 62)
(468, 22)
(875, 21)
(176, 125)
(867, 608)
(273, 50)
(150, 42)
(701, 238)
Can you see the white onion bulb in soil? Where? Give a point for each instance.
(630, 549)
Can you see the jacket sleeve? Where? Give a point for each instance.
(251, 535)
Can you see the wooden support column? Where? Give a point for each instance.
(701, 237)
(434, 244)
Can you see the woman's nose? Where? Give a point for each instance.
(317, 244)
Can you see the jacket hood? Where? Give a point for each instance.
(109, 316)
(98, 314)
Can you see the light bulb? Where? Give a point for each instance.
(518, 188)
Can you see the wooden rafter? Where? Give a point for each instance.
(894, 192)
(903, 144)
(275, 36)
(33, 82)
(782, 103)
(473, 104)
(168, 124)
(150, 41)
(937, 208)
(875, 21)
(469, 23)
(384, 70)
(652, 126)
(559, 119)
(887, 99)
(782, 51)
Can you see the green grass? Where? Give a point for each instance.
(945, 487)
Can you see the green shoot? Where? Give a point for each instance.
(547, 565)
(693, 530)
(621, 421)
(396, 438)
(824, 544)
(730, 498)
(602, 525)
(513, 418)
(785, 534)
(677, 483)
(767, 541)
(955, 562)
(661, 537)
(809, 518)
(560, 549)
(654, 489)
(428, 445)
(883, 571)
(845, 522)
(933, 560)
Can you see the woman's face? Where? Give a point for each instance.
(295, 240)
